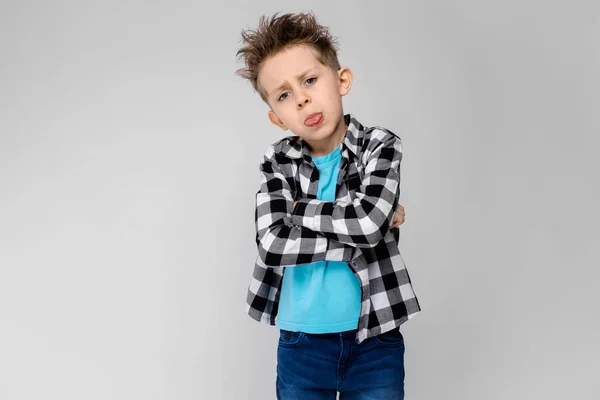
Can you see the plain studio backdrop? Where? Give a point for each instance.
(129, 156)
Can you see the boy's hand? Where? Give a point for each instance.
(398, 215)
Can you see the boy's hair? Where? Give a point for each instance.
(279, 33)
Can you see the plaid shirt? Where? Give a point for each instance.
(355, 228)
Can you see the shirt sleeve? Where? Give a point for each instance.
(279, 241)
(365, 220)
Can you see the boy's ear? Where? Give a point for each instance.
(345, 79)
(275, 120)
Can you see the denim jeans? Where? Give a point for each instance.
(317, 366)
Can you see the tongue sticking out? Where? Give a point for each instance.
(314, 120)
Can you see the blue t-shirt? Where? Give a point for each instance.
(325, 296)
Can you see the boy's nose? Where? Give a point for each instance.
(302, 102)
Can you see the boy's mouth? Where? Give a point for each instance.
(313, 119)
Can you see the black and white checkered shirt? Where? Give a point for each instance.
(355, 228)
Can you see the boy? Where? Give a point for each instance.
(328, 271)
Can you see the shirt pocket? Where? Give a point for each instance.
(354, 178)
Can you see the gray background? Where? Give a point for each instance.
(129, 162)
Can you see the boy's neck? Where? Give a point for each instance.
(330, 143)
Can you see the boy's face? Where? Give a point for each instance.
(297, 86)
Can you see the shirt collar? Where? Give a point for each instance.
(296, 147)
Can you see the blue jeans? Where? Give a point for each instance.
(317, 366)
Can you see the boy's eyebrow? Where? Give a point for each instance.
(298, 77)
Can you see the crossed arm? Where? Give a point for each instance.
(292, 232)
(398, 216)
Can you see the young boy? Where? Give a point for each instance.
(328, 271)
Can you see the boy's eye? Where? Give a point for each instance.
(283, 96)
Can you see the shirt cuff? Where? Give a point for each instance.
(304, 213)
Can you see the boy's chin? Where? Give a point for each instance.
(315, 136)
